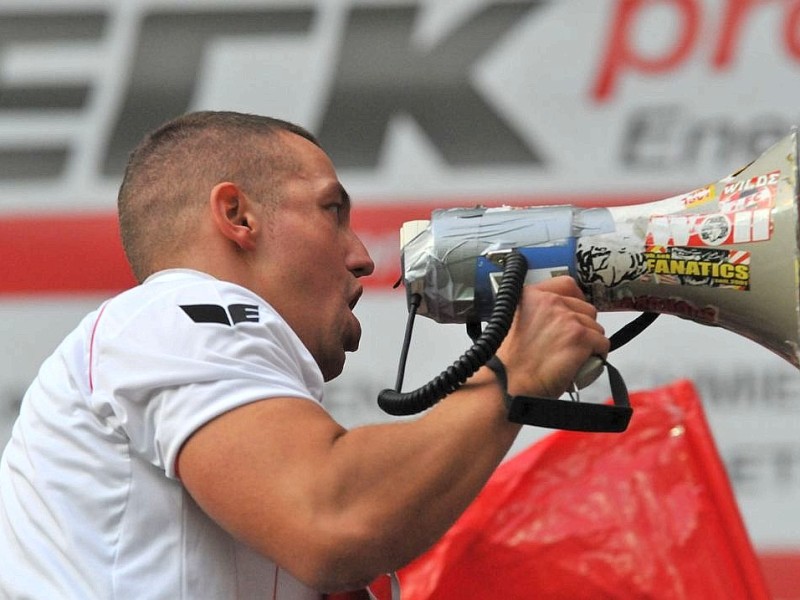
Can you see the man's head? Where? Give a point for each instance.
(170, 173)
(253, 201)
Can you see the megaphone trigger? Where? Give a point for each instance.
(589, 372)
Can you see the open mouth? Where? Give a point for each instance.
(355, 298)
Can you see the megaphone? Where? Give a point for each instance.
(724, 254)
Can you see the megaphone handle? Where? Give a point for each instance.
(566, 414)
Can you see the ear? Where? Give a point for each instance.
(233, 214)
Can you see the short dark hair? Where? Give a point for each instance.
(174, 167)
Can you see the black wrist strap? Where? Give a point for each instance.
(568, 414)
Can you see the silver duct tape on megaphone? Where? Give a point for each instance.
(725, 254)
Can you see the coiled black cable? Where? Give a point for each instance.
(397, 403)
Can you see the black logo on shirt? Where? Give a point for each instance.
(214, 313)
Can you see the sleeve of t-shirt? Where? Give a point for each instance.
(162, 371)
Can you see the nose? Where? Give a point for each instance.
(360, 263)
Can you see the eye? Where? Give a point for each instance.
(338, 210)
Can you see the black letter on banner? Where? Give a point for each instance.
(383, 73)
(168, 59)
(40, 159)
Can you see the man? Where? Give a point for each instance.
(175, 446)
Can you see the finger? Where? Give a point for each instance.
(582, 331)
(589, 322)
(580, 306)
(574, 303)
(563, 285)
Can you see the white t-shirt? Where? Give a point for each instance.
(89, 503)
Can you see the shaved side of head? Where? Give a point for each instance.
(172, 171)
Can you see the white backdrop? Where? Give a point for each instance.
(592, 101)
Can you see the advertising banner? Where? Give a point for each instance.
(421, 104)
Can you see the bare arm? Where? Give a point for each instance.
(337, 507)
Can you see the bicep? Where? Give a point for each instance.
(255, 470)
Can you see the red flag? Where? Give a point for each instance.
(644, 514)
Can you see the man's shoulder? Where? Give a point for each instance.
(186, 293)
(183, 309)
(186, 283)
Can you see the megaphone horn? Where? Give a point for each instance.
(725, 254)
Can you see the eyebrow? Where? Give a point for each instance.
(344, 196)
(343, 193)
